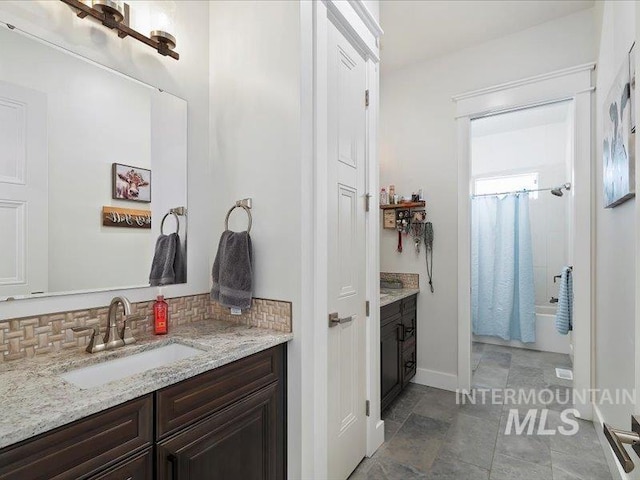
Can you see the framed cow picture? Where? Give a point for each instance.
(130, 183)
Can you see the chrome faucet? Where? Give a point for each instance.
(112, 338)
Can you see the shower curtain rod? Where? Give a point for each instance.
(524, 190)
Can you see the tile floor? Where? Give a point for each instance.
(428, 436)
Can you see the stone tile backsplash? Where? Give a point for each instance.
(409, 280)
(42, 334)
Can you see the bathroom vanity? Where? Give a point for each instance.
(198, 418)
(398, 329)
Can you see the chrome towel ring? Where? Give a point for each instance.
(165, 217)
(245, 204)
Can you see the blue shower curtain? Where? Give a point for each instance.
(502, 288)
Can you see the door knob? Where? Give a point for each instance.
(334, 319)
(617, 438)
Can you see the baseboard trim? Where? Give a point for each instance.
(617, 472)
(435, 379)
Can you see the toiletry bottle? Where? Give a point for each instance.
(160, 316)
(392, 194)
(384, 198)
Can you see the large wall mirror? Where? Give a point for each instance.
(91, 162)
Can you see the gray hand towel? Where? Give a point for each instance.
(232, 271)
(164, 260)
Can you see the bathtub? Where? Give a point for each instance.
(547, 337)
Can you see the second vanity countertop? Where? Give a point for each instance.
(390, 295)
(35, 399)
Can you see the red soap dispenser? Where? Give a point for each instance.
(160, 316)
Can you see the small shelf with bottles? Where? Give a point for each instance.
(403, 205)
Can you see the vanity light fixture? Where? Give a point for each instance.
(114, 14)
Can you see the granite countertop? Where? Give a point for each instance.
(390, 295)
(35, 399)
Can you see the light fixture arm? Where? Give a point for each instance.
(108, 19)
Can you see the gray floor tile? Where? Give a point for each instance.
(472, 440)
(509, 468)
(551, 378)
(429, 436)
(475, 361)
(477, 347)
(584, 443)
(532, 448)
(445, 468)
(551, 359)
(490, 376)
(393, 470)
(485, 410)
(582, 467)
(438, 404)
(496, 359)
(525, 377)
(402, 406)
(417, 443)
(390, 429)
(362, 469)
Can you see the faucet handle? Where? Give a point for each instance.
(96, 344)
(125, 333)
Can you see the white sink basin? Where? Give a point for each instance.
(119, 368)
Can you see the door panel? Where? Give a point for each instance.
(12, 258)
(23, 191)
(347, 255)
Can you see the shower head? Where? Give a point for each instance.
(558, 190)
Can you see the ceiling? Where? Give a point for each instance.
(416, 30)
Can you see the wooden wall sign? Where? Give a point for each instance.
(126, 217)
(389, 219)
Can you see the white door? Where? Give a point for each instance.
(347, 256)
(23, 191)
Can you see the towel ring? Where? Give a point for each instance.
(246, 209)
(165, 217)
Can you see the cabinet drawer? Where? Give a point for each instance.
(139, 467)
(82, 448)
(389, 311)
(409, 364)
(193, 399)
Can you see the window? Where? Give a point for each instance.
(507, 183)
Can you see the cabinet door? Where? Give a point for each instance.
(390, 375)
(239, 442)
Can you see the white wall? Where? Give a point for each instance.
(187, 78)
(256, 151)
(417, 149)
(615, 236)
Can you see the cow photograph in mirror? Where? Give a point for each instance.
(131, 183)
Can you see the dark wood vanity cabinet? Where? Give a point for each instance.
(398, 328)
(228, 423)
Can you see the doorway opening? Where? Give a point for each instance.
(521, 165)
